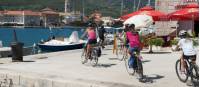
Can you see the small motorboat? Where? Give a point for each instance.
(73, 42)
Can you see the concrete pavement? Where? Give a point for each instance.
(64, 69)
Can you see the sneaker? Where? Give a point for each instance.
(189, 83)
(85, 61)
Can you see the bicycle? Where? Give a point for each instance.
(139, 66)
(191, 70)
(122, 52)
(93, 55)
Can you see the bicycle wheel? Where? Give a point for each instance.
(195, 73)
(94, 57)
(121, 54)
(182, 76)
(130, 71)
(139, 68)
(83, 57)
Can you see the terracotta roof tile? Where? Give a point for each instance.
(26, 12)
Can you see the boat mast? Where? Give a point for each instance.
(149, 2)
(83, 3)
(138, 5)
(122, 6)
(66, 6)
(134, 5)
(23, 18)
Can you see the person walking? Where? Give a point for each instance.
(101, 33)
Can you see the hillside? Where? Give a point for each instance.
(107, 7)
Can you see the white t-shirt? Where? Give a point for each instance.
(187, 47)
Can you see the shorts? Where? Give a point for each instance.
(92, 41)
(126, 45)
(101, 38)
(192, 57)
(134, 49)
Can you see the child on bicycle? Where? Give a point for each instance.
(186, 44)
(124, 37)
(134, 44)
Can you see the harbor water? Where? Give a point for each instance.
(29, 36)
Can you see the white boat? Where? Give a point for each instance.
(73, 42)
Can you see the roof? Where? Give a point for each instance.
(8, 12)
(26, 12)
(49, 11)
(1, 12)
(32, 13)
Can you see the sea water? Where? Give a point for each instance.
(29, 36)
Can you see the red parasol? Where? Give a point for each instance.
(147, 10)
(190, 12)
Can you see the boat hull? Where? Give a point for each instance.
(51, 48)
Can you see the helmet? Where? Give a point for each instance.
(132, 26)
(91, 25)
(182, 33)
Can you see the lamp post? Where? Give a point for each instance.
(17, 49)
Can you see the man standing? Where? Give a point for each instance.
(101, 35)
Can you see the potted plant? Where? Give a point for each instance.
(151, 42)
(158, 43)
(196, 43)
(174, 42)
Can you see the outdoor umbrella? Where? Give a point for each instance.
(147, 10)
(140, 21)
(190, 12)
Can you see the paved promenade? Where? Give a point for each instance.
(64, 69)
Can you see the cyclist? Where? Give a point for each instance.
(124, 38)
(134, 44)
(101, 33)
(90, 32)
(186, 44)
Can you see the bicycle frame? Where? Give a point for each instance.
(190, 67)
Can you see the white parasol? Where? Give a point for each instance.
(140, 21)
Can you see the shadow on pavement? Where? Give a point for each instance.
(107, 49)
(43, 57)
(104, 54)
(28, 61)
(113, 58)
(196, 84)
(144, 61)
(150, 79)
(104, 65)
(157, 53)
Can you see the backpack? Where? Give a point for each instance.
(99, 51)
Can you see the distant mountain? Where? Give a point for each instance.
(107, 7)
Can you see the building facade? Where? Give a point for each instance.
(12, 18)
(20, 18)
(107, 21)
(46, 17)
(168, 6)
